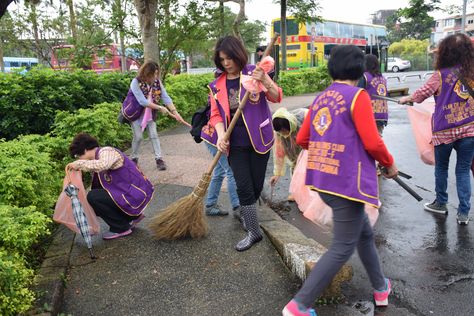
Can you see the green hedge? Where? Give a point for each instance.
(307, 80)
(15, 279)
(28, 102)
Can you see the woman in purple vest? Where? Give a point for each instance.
(453, 120)
(252, 138)
(147, 90)
(119, 192)
(375, 84)
(342, 141)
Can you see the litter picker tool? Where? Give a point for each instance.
(185, 217)
(381, 97)
(405, 186)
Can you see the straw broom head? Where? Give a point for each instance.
(185, 217)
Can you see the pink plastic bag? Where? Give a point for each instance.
(310, 203)
(63, 210)
(420, 118)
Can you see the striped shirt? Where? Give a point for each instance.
(432, 87)
(109, 158)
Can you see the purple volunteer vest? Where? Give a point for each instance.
(337, 161)
(208, 133)
(377, 85)
(127, 186)
(256, 115)
(132, 110)
(454, 107)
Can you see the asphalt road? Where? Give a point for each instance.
(428, 257)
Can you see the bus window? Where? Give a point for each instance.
(358, 31)
(14, 64)
(293, 47)
(345, 30)
(291, 27)
(23, 64)
(330, 29)
(318, 28)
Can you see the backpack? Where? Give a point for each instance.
(198, 121)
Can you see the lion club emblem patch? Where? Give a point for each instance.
(322, 120)
(254, 98)
(461, 90)
(381, 90)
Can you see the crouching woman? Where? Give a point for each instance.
(120, 192)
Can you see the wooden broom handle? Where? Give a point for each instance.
(241, 107)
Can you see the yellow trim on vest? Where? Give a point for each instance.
(111, 197)
(358, 184)
(247, 128)
(342, 196)
(135, 207)
(353, 102)
(437, 93)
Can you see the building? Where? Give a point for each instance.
(380, 17)
(450, 25)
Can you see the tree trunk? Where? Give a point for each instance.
(2, 65)
(146, 10)
(238, 20)
(72, 20)
(283, 34)
(221, 18)
(121, 16)
(34, 22)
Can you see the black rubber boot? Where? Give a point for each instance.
(250, 221)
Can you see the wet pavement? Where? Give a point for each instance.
(429, 257)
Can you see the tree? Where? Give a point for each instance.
(412, 22)
(302, 11)
(239, 18)
(146, 10)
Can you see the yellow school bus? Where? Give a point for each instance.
(309, 44)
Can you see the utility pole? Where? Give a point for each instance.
(463, 20)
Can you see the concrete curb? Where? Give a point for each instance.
(298, 252)
(50, 280)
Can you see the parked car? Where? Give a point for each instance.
(396, 64)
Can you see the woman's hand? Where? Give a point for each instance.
(222, 145)
(390, 172)
(260, 75)
(72, 166)
(274, 180)
(405, 100)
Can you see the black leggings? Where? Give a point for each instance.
(106, 208)
(249, 169)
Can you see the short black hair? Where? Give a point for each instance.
(280, 123)
(372, 65)
(346, 63)
(232, 47)
(81, 143)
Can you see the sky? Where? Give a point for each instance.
(356, 11)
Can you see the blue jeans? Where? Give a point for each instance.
(221, 170)
(464, 148)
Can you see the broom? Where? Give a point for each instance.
(185, 217)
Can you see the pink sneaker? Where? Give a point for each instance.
(295, 309)
(111, 235)
(136, 221)
(381, 297)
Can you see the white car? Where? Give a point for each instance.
(396, 64)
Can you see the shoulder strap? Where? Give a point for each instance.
(464, 82)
